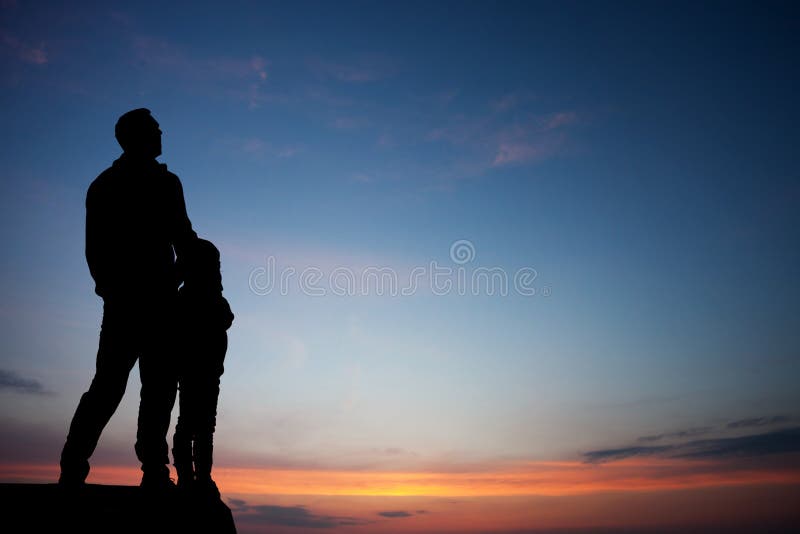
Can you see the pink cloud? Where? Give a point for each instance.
(436, 134)
(361, 178)
(497, 139)
(348, 123)
(360, 70)
(534, 140)
(348, 73)
(526, 146)
(557, 120)
(259, 148)
(241, 77)
(498, 143)
(516, 153)
(24, 52)
(259, 64)
(323, 96)
(288, 152)
(511, 101)
(254, 146)
(158, 51)
(385, 140)
(445, 97)
(253, 68)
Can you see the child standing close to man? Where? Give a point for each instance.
(204, 317)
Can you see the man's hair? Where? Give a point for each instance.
(131, 125)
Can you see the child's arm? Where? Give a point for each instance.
(225, 313)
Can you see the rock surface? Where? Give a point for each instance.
(49, 508)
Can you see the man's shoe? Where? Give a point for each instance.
(206, 486)
(71, 481)
(157, 481)
(185, 482)
(73, 475)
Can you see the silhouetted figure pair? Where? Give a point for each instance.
(136, 223)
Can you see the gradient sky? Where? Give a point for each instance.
(641, 157)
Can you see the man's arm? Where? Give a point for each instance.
(182, 232)
(95, 233)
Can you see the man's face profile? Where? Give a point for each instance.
(151, 138)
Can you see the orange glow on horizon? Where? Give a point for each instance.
(530, 478)
(521, 479)
(48, 474)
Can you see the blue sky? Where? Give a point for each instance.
(639, 157)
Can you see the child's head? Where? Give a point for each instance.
(199, 265)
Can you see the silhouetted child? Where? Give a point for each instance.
(204, 317)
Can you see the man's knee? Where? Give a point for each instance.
(108, 386)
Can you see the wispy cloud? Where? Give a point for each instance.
(498, 139)
(510, 101)
(437, 100)
(395, 513)
(768, 443)
(158, 51)
(776, 442)
(446, 97)
(559, 119)
(609, 455)
(533, 139)
(357, 70)
(361, 178)
(385, 140)
(241, 77)
(510, 152)
(321, 95)
(690, 432)
(348, 123)
(25, 52)
(9, 380)
(289, 516)
(745, 423)
(288, 151)
(762, 421)
(30, 440)
(258, 148)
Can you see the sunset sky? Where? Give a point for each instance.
(495, 266)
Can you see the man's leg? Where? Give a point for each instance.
(157, 369)
(116, 356)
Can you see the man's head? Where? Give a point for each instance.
(138, 134)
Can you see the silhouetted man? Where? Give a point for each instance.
(135, 222)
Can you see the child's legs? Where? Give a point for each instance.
(189, 403)
(207, 398)
(207, 380)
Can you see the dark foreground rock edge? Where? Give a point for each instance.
(93, 508)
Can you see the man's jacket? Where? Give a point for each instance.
(135, 223)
